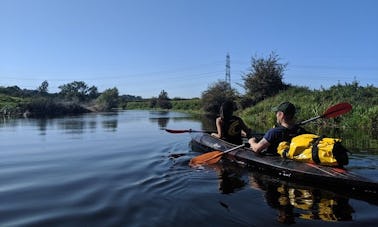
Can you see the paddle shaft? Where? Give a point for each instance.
(224, 152)
(186, 130)
(309, 120)
(176, 131)
(333, 111)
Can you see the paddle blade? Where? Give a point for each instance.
(337, 110)
(177, 131)
(207, 158)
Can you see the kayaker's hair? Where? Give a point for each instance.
(227, 109)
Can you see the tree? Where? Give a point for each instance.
(43, 89)
(93, 92)
(264, 79)
(13, 90)
(163, 100)
(108, 100)
(76, 91)
(153, 102)
(215, 95)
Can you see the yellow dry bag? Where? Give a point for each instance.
(314, 149)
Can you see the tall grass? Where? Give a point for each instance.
(311, 103)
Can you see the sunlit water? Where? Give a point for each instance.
(121, 169)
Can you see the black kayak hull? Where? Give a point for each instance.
(333, 178)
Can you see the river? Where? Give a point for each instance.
(122, 169)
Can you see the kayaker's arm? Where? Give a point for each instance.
(218, 123)
(258, 146)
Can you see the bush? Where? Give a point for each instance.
(107, 100)
(215, 95)
(46, 107)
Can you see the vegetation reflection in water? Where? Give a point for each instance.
(292, 201)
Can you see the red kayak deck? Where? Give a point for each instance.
(287, 169)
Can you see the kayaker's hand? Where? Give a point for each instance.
(253, 140)
(215, 135)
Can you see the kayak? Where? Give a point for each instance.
(339, 179)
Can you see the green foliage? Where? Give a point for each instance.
(18, 92)
(138, 105)
(107, 100)
(313, 103)
(153, 102)
(77, 91)
(9, 105)
(186, 104)
(47, 107)
(124, 99)
(264, 79)
(10, 101)
(43, 89)
(163, 101)
(215, 95)
(92, 93)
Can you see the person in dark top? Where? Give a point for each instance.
(285, 130)
(229, 127)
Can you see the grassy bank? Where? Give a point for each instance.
(37, 107)
(364, 114)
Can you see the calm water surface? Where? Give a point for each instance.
(121, 169)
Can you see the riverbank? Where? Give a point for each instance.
(13, 107)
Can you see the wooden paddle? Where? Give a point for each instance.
(211, 157)
(331, 112)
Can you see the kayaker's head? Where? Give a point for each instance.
(285, 112)
(227, 109)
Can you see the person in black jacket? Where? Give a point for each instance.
(229, 127)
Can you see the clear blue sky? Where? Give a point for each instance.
(145, 46)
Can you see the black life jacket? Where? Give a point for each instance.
(231, 130)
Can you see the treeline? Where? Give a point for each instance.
(73, 98)
(187, 105)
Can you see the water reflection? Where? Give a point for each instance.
(42, 126)
(90, 122)
(159, 117)
(295, 201)
(162, 118)
(292, 201)
(69, 125)
(111, 125)
(161, 121)
(73, 126)
(230, 180)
